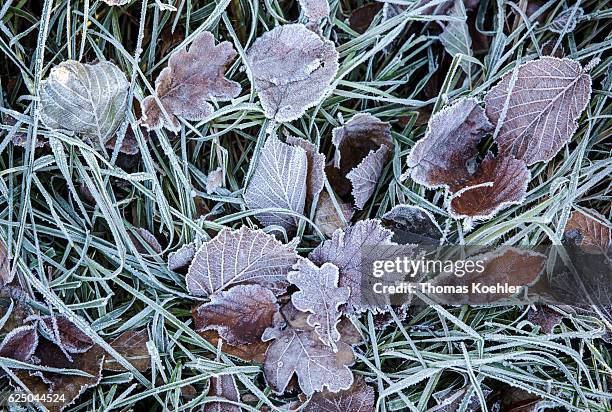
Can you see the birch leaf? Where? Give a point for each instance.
(320, 295)
(364, 177)
(240, 256)
(193, 78)
(316, 166)
(595, 235)
(292, 70)
(132, 345)
(315, 10)
(88, 99)
(223, 386)
(279, 181)
(20, 343)
(543, 106)
(240, 315)
(358, 398)
(326, 216)
(316, 365)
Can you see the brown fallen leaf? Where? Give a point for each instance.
(223, 386)
(361, 18)
(20, 343)
(326, 216)
(364, 177)
(65, 334)
(359, 397)
(412, 224)
(214, 180)
(142, 238)
(182, 257)
(239, 315)
(544, 317)
(254, 352)
(132, 345)
(193, 78)
(595, 235)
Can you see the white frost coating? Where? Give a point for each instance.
(182, 257)
(315, 10)
(566, 21)
(364, 177)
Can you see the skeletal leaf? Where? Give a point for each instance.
(214, 180)
(239, 315)
(223, 386)
(320, 295)
(64, 333)
(20, 343)
(358, 398)
(542, 108)
(240, 256)
(364, 177)
(316, 166)
(292, 70)
(566, 21)
(192, 79)
(344, 250)
(326, 216)
(6, 275)
(315, 10)
(89, 99)
(595, 235)
(545, 318)
(412, 224)
(456, 36)
(132, 345)
(445, 157)
(500, 181)
(316, 365)
(182, 257)
(279, 181)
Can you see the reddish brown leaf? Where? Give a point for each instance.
(223, 386)
(326, 216)
(192, 79)
(20, 343)
(361, 18)
(254, 352)
(545, 318)
(358, 398)
(66, 334)
(239, 315)
(595, 235)
(132, 345)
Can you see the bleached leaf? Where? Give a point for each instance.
(595, 235)
(223, 386)
(132, 345)
(315, 10)
(358, 398)
(326, 216)
(364, 177)
(316, 166)
(192, 79)
(20, 343)
(320, 295)
(88, 99)
(182, 257)
(344, 250)
(445, 156)
(64, 333)
(6, 275)
(316, 365)
(239, 315)
(292, 70)
(456, 36)
(499, 182)
(240, 256)
(278, 181)
(566, 21)
(543, 106)
(214, 180)
(412, 224)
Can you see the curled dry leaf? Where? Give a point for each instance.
(240, 315)
(240, 256)
(182, 257)
(6, 275)
(64, 333)
(594, 235)
(292, 70)
(316, 166)
(223, 386)
(320, 295)
(544, 317)
(20, 343)
(566, 21)
(315, 10)
(358, 398)
(316, 365)
(344, 250)
(412, 224)
(542, 108)
(278, 181)
(327, 217)
(364, 177)
(88, 99)
(132, 345)
(192, 79)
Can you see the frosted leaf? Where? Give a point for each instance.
(566, 21)
(129, 145)
(316, 166)
(315, 10)
(6, 275)
(278, 181)
(239, 315)
(412, 224)
(445, 155)
(132, 345)
(64, 333)
(253, 352)
(116, 2)
(292, 70)
(214, 180)
(364, 177)
(192, 79)
(316, 365)
(326, 216)
(547, 99)
(544, 317)
(456, 36)
(594, 233)
(88, 99)
(20, 343)
(240, 256)
(142, 239)
(182, 257)
(320, 295)
(223, 386)
(359, 397)
(344, 250)
(499, 182)
(450, 400)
